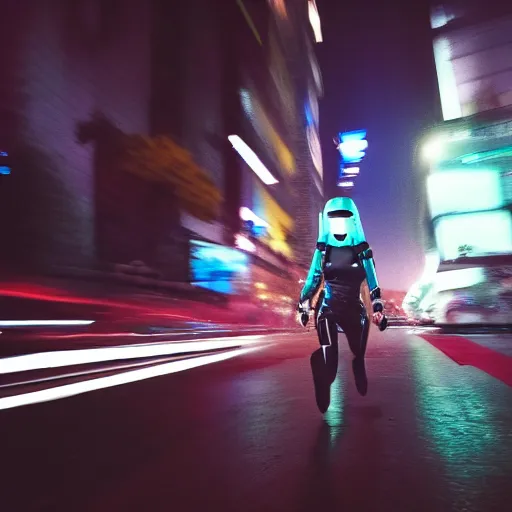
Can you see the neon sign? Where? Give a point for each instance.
(4, 169)
(352, 146)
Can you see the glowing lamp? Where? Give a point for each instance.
(433, 149)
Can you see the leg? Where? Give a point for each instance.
(324, 361)
(318, 306)
(356, 325)
(327, 330)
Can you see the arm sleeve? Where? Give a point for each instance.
(366, 256)
(371, 277)
(314, 278)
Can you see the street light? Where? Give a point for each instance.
(433, 149)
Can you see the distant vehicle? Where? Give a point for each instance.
(466, 309)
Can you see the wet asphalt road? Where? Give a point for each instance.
(245, 435)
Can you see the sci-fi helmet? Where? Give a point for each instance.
(340, 224)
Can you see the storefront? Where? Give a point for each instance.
(468, 186)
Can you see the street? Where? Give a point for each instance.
(245, 434)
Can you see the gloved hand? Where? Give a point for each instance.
(303, 313)
(379, 318)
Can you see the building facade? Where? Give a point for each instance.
(79, 78)
(467, 162)
(62, 63)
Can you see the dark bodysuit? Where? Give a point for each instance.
(340, 303)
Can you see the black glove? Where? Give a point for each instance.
(383, 324)
(378, 307)
(303, 314)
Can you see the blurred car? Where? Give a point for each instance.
(467, 309)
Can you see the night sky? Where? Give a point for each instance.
(379, 75)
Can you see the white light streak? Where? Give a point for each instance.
(43, 323)
(77, 388)
(314, 19)
(252, 160)
(59, 359)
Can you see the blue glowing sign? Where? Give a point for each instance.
(4, 169)
(216, 267)
(352, 146)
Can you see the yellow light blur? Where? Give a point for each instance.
(284, 155)
(280, 223)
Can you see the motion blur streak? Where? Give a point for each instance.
(252, 160)
(50, 295)
(77, 388)
(43, 323)
(59, 359)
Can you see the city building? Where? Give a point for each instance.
(95, 93)
(260, 110)
(467, 162)
(62, 64)
(280, 86)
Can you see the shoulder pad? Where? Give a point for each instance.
(321, 246)
(362, 247)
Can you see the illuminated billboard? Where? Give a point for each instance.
(216, 267)
(461, 191)
(352, 147)
(474, 234)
